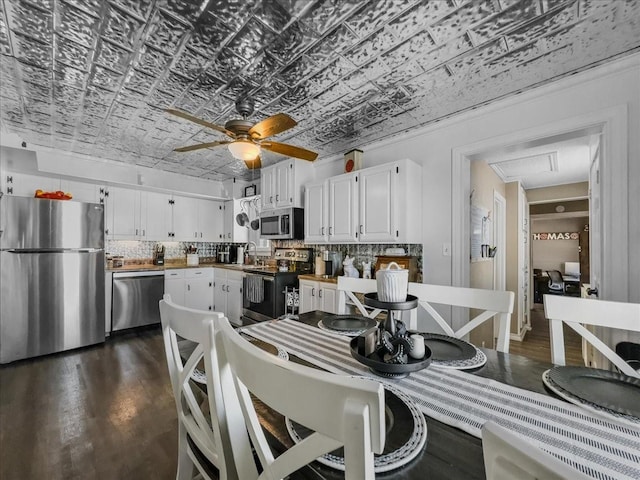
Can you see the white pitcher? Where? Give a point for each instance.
(392, 283)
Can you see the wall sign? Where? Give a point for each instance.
(556, 236)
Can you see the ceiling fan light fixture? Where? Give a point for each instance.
(244, 150)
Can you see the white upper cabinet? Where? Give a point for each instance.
(234, 232)
(23, 185)
(316, 218)
(122, 217)
(157, 218)
(210, 220)
(81, 191)
(281, 184)
(373, 205)
(343, 208)
(377, 198)
(185, 219)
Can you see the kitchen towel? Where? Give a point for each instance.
(255, 288)
(599, 447)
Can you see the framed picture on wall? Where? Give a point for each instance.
(250, 191)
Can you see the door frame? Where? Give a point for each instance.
(612, 123)
(499, 241)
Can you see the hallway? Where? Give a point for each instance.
(536, 343)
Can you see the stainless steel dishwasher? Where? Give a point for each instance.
(135, 299)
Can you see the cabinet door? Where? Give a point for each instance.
(199, 293)
(233, 232)
(284, 184)
(174, 286)
(185, 219)
(376, 204)
(122, 213)
(342, 208)
(157, 216)
(220, 290)
(23, 185)
(210, 221)
(327, 298)
(308, 291)
(268, 186)
(81, 191)
(315, 218)
(234, 299)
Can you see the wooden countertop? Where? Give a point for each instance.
(318, 278)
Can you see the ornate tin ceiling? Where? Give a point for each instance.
(93, 77)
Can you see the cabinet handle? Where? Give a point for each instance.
(136, 232)
(277, 198)
(320, 293)
(144, 232)
(195, 234)
(209, 307)
(210, 284)
(188, 288)
(271, 199)
(313, 292)
(360, 229)
(200, 234)
(329, 230)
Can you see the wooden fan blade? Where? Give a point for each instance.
(290, 150)
(271, 126)
(199, 146)
(253, 164)
(199, 121)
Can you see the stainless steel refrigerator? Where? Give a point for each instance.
(51, 276)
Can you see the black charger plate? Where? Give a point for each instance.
(348, 323)
(614, 391)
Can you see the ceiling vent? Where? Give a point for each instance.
(518, 168)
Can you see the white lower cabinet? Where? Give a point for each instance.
(318, 296)
(190, 287)
(228, 294)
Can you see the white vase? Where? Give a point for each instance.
(392, 283)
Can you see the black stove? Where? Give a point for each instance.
(264, 287)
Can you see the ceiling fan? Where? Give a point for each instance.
(248, 139)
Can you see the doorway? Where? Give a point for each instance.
(611, 125)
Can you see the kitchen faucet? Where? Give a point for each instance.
(255, 251)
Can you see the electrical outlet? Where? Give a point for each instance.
(446, 249)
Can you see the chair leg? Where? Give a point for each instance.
(185, 464)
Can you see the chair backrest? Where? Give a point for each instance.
(493, 303)
(204, 428)
(577, 312)
(341, 410)
(347, 289)
(507, 456)
(556, 281)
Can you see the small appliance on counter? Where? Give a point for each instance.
(117, 261)
(332, 263)
(158, 254)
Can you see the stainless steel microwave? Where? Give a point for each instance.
(282, 224)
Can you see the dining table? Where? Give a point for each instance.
(507, 389)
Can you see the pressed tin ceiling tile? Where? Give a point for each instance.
(350, 72)
(76, 24)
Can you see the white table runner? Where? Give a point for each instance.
(600, 448)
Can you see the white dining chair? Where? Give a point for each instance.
(347, 289)
(578, 312)
(202, 438)
(492, 303)
(508, 457)
(342, 411)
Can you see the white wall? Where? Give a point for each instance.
(551, 254)
(603, 87)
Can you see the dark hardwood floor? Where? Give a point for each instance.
(536, 342)
(104, 412)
